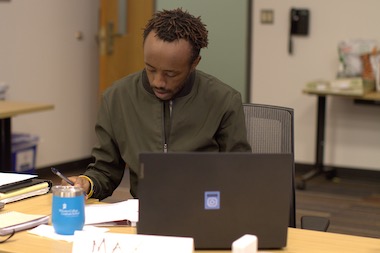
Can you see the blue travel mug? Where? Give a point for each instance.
(67, 209)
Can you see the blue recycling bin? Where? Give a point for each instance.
(24, 148)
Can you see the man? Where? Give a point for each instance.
(167, 107)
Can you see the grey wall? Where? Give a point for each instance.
(352, 131)
(42, 60)
(226, 56)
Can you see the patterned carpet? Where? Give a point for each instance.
(352, 205)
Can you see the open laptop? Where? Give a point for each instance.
(216, 197)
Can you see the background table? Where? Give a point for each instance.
(368, 98)
(9, 109)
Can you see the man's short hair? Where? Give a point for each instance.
(171, 25)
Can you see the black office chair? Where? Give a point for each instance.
(270, 129)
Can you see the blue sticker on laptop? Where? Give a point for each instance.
(212, 200)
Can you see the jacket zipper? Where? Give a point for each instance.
(163, 123)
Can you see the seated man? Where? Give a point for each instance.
(167, 107)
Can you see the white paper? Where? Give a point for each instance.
(87, 242)
(10, 178)
(48, 231)
(13, 218)
(101, 213)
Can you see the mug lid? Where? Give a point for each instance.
(67, 191)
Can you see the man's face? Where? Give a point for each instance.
(167, 65)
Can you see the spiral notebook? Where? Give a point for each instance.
(33, 188)
(17, 221)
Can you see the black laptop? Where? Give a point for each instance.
(216, 197)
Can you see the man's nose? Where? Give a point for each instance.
(159, 81)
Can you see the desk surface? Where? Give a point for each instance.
(10, 108)
(299, 240)
(375, 96)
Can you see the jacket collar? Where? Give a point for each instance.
(186, 89)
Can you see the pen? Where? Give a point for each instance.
(55, 171)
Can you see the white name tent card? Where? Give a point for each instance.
(87, 242)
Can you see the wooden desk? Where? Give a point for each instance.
(299, 240)
(9, 109)
(369, 98)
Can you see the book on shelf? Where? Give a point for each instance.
(12, 221)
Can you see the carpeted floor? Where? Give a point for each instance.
(352, 205)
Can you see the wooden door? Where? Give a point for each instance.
(121, 26)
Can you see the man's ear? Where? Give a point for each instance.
(195, 63)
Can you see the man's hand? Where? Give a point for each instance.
(81, 182)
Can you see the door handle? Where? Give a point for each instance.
(105, 39)
(110, 36)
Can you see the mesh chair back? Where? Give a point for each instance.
(270, 130)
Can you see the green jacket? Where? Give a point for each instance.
(206, 115)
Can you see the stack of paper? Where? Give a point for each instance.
(14, 186)
(121, 213)
(8, 178)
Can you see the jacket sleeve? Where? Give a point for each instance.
(232, 134)
(108, 169)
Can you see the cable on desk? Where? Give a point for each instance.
(9, 236)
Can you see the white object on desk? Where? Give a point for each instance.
(48, 232)
(86, 242)
(245, 244)
(11, 178)
(124, 210)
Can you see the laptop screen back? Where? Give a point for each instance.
(216, 197)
